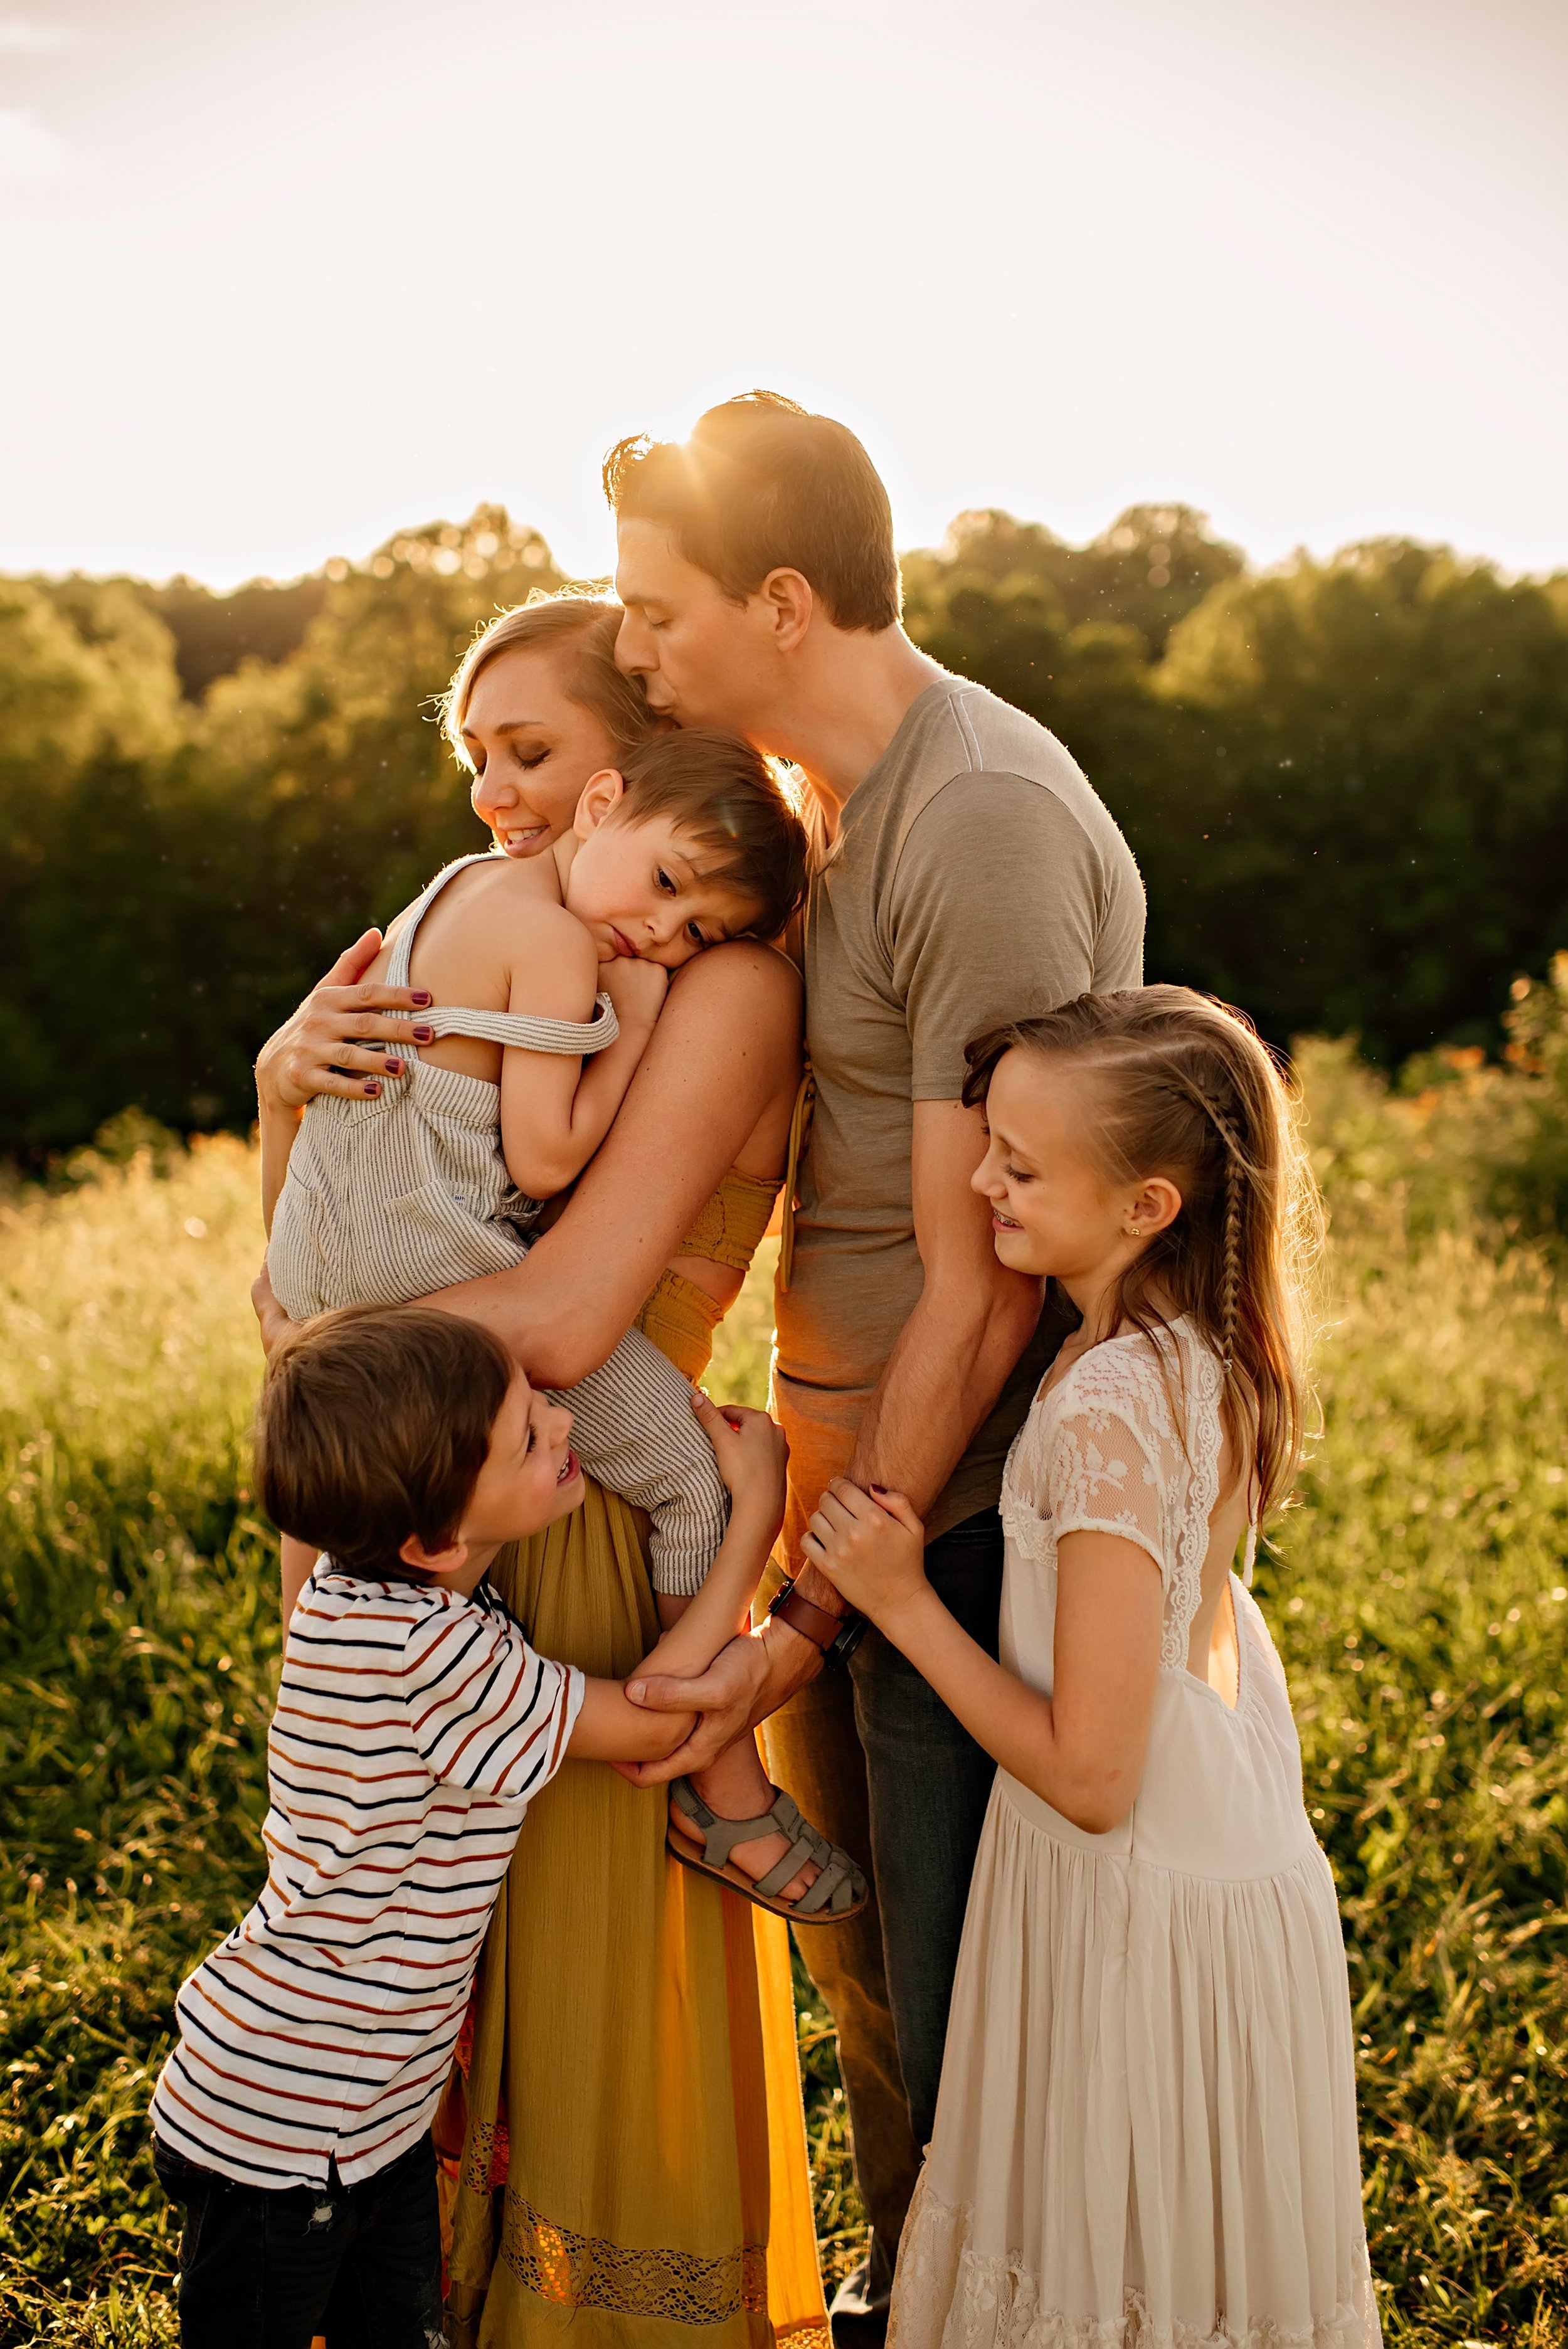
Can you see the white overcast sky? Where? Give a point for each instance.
(280, 277)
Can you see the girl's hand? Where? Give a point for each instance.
(870, 1546)
(335, 1029)
(753, 1454)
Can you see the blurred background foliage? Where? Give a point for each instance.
(1346, 783)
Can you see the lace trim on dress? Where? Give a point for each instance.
(575, 2270)
(982, 2303)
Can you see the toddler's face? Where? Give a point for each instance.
(641, 889)
(531, 1474)
(533, 750)
(1051, 1212)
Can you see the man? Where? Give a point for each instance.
(971, 876)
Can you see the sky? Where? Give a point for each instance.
(281, 277)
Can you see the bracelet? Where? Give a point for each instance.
(838, 1636)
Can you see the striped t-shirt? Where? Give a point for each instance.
(412, 1726)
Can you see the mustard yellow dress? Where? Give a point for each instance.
(631, 2164)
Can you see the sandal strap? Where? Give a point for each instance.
(839, 1883)
(721, 1835)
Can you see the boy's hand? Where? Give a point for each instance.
(870, 1546)
(635, 987)
(753, 1454)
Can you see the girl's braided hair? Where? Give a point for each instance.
(1186, 1088)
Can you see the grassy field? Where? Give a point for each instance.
(1420, 1595)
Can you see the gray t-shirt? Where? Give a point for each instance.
(976, 879)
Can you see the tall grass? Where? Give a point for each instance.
(1420, 1595)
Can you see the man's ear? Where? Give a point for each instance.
(602, 795)
(790, 606)
(432, 1561)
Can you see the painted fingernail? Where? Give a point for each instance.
(424, 1035)
(373, 1086)
(394, 1068)
(879, 1488)
(422, 996)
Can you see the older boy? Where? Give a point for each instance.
(414, 1724)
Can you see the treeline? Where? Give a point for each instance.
(1346, 783)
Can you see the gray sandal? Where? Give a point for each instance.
(839, 1892)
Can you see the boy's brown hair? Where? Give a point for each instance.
(762, 485)
(723, 792)
(374, 1424)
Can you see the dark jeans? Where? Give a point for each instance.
(270, 2267)
(875, 1759)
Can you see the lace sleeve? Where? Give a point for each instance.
(1106, 1471)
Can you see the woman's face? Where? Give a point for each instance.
(532, 748)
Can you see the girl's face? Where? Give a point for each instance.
(1051, 1209)
(532, 748)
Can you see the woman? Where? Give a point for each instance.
(627, 2148)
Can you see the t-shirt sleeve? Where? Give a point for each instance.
(995, 915)
(484, 1710)
(1102, 1477)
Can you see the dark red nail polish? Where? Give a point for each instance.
(373, 1086)
(879, 1488)
(424, 1035)
(422, 998)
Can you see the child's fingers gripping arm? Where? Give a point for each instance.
(634, 1428)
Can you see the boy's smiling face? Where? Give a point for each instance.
(530, 1476)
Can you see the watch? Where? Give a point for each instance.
(838, 1636)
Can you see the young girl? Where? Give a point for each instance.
(1146, 2133)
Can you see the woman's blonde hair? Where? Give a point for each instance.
(580, 630)
(1190, 1091)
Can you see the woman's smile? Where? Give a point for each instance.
(570, 1467)
(517, 838)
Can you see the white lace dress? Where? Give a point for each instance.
(1146, 2133)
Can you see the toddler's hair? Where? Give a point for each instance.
(580, 630)
(1186, 1088)
(721, 791)
(374, 1424)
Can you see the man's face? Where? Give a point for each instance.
(704, 659)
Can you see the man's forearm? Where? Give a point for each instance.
(940, 1382)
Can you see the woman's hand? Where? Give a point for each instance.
(335, 1030)
(275, 1323)
(870, 1546)
(753, 1454)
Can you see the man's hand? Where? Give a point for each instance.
(745, 1682)
(333, 1030)
(275, 1323)
(871, 1546)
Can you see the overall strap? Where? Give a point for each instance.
(526, 1033)
(521, 1029)
(397, 975)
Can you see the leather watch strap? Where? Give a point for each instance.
(814, 1623)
